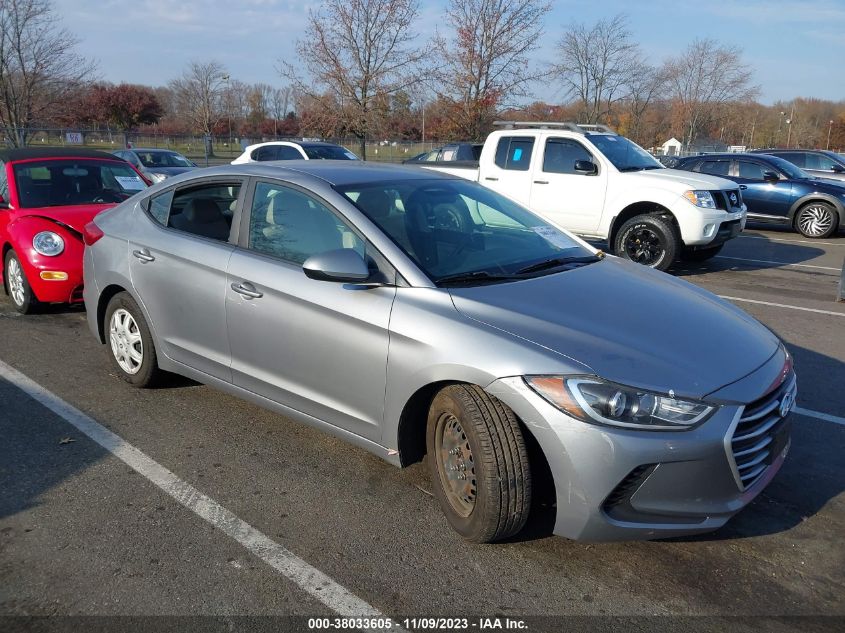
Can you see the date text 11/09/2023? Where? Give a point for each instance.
(424, 623)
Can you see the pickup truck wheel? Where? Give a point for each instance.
(816, 219)
(702, 254)
(129, 342)
(649, 240)
(479, 464)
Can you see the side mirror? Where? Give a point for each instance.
(837, 169)
(342, 265)
(586, 167)
(770, 176)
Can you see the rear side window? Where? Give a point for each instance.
(714, 167)
(514, 152)
(795, 158)
(160, 207)
(205, 211)
(561, 154)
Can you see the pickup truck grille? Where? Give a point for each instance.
(761, 434)
(730, 200)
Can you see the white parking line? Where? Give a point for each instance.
(768, 261)
(775, 239)
(783, 305)
(314, 582)
(820, 416)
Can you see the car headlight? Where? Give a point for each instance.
(48, 243)
(703, 199)
(594, 400)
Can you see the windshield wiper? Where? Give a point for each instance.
(559, 261)
(476, 276)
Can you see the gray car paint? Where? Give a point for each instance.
(355, 377)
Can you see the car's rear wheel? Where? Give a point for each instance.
(479, 464)
(20, 292)
(702, 254)
(129, 342)
(816, 219)
(649, 240)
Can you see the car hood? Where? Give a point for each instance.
(169, 171)
(75, 216)
(629, 324)
(681, 179)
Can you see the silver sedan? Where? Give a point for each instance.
(415, 315)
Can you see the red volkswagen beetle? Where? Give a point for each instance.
(47, 196)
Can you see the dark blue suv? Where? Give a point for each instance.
(777, 191)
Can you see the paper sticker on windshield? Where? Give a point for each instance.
(553, 236)
(130, 183)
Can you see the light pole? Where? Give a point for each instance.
(780, 126)
(789, 129)
(829, 128)
(228, 109)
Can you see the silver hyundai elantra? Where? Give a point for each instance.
(419, 315)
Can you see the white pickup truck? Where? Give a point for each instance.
(597, 184)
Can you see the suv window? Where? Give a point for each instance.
(560, 155)
(293, 226)
(751, 171)
(514, 152)
(795, 158)
(206, 211)
(715, 167)
(819, 161)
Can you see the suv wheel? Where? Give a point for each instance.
(479, 464)
(20, 292)
(649, 240)
(130, 345)
(816, 219)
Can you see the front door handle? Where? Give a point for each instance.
(490, 178)
(144, 256)
(743, 187)
(247, 290)
(541, 182)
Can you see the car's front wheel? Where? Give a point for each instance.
(479, 464)
(817, 219)
(650, 240)
(129, 342)
(20, 292)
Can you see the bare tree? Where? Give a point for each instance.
(280, 102)
(486, 62)
(703, 80)
(358, 52)
(38, 66)
(643, 85)
(198, 94)
(598, 65)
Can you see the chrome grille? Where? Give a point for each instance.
(760, 434)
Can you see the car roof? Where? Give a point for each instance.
(28, 153)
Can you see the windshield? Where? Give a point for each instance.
(456, 227)
(624, 154)
(163, 159)
(54, 183)
(796, 173)
(328, 152)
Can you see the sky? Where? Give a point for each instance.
(796, 47)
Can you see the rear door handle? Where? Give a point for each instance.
(541, 182)
(144, 256)
(743, 187)
(490, 178)
(247, 290)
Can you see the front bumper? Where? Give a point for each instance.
(55, 291)
(707, 228)
(615, 484)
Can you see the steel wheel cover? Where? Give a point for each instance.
(455, 465)
(127, 346)
(815, 220)
(14, 276)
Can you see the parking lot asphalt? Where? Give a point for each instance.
(82, 533)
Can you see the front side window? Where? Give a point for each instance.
(819, 162)
(205, 211)
(561, 155)
(456, 227)
(293, 226)
(751, 171)
(73, 181)
(514, 152)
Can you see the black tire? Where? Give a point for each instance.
(493, 452)
(649, 240)
(147, 373)
(816, 220)
(702, 254)
(22, 297)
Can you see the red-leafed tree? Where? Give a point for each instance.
(125, 106)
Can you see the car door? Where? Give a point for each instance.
(766, 199)
(573, 200)
(178, 254)
(510, 172)
(318, 347)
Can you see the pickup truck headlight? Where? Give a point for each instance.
(594, 400)
(48, 243)
(703, 199)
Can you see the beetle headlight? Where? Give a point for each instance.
(703, 199)
(595, 400)
(48, 243)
